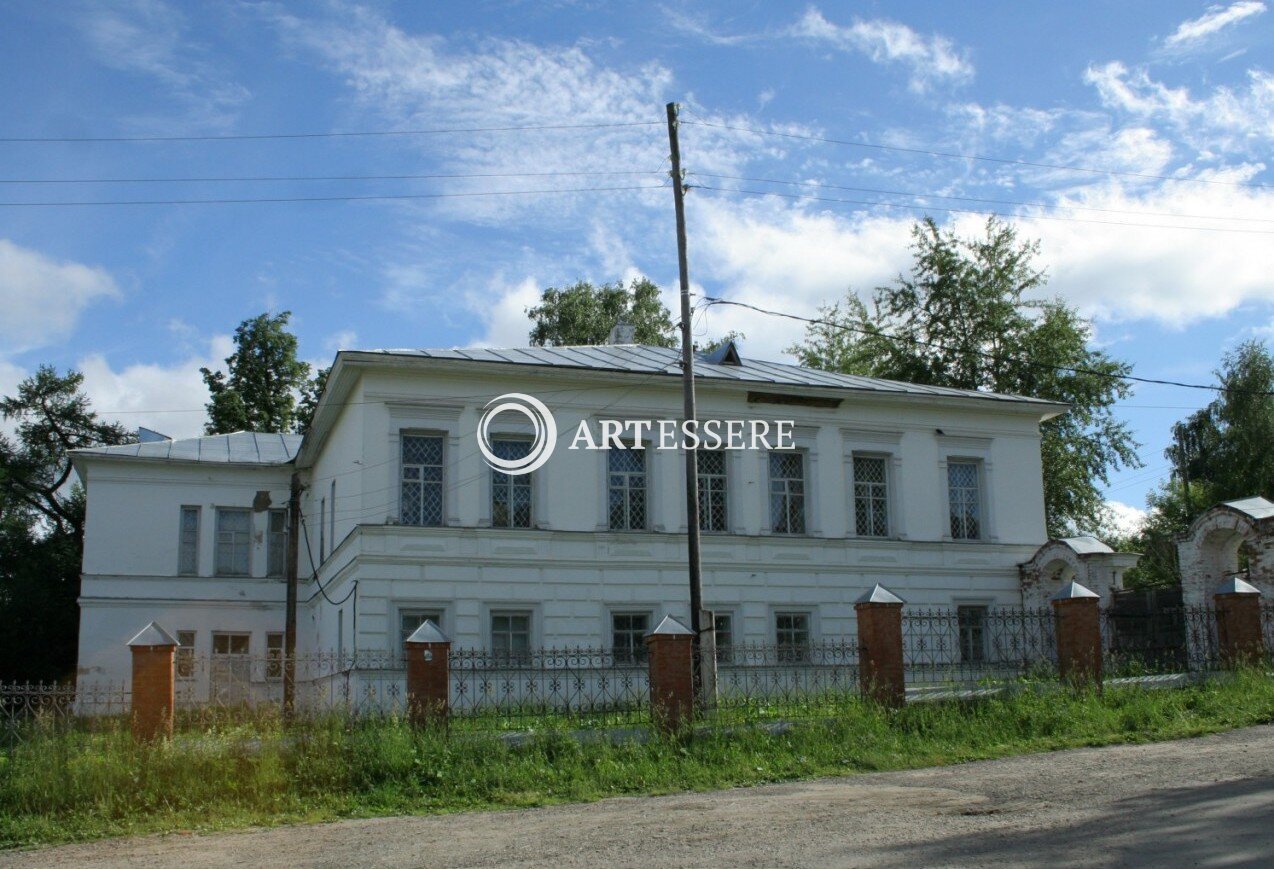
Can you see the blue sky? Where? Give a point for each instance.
(140, 296)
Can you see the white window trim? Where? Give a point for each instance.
(967, 448)
(216, 511)
(652, 469)
(805, 441)
(490, 610)
(399, 606)
(810, 611)
(513, 430)
(422, 418)
(875, 444)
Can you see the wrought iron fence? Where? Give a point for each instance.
(971, 645)
(27, 707)
(574, 683)
(1267, 629)
(787, 680)
(1157, 640)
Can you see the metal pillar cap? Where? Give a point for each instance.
(879, 594)
(1235, 585)
(1074, 591)
(153, 635)
(428, 632)
(670, 627)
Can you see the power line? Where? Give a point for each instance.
(980, 199)
(240, 137)
(1069, 369)
(358, 198)
(955, 155)
(1002, 214)
(256, 178)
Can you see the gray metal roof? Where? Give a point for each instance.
(240, 448)
(1086, 544)
(1256, 507)
(644, 359)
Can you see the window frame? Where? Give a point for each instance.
(184, 657)
(510, 484)
(883, 489)
(705, 509)
(188, 537)
(628, 489)
(421, 480)
(246, 636)
(972, 651)
(409, 608)
(978, 501)
(786, 494)
(510, 653)
(792, 652)
(634, 653)
(725, 651)
(274, 655)
(218, 568)
(276, 541)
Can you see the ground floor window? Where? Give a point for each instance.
(628, 636)
(723, 627)
(972, 625)
(792, 635)
(274, 655)
(511, 635)
(185, 655)
(410, 619)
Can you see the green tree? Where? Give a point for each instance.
(263, 377)
(311, 392)
(42, 522)
(1228, 446)
(583, 314)
(966, 317)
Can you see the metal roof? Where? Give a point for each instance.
(1086, 544)
(1256, 507)
(645, 359)
(239, 448)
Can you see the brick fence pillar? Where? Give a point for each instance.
(670, 659)
(428, 654)
(1238, 623)
(1078, 617)
(880, 660)
(154, 693)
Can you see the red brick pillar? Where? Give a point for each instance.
(428, 653)
(154, 653)
(669, 657)
(1078, 618)
(880, 662)
(1238, 623)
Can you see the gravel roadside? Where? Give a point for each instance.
(1207, 801)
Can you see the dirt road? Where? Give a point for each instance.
(1207, 801)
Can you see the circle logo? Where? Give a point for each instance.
(543, 426)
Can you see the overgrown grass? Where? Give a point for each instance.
(58, 786)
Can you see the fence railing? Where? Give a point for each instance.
(787, 679)
(965, 646)
(1171, 640)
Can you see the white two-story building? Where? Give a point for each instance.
(935, 493)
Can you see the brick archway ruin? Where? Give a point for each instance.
(1085, 560)
(1209, 552)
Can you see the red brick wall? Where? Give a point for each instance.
(154, 691)
(880, 664)
(428, 681)
(671, 680)
(1079, 640)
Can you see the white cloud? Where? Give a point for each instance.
(503, 306)
(1215, 19)
(151, 38)
(1124, 518)
(166, 398)
(42, 298)
(929, 59)
(1228, 120)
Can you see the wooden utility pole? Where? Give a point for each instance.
(289, 623)
(688, 394)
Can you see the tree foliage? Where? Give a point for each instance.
(42, 522)
(584, 314)
(967, 317)
(258, 391)
(311, 392)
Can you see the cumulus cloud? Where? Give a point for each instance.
(928, 59)
(1124, 518)
(42, 298)
(1215, 19)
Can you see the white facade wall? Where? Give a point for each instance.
(569, 571)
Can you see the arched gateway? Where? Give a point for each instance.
(1084, 559)
(1211, 551)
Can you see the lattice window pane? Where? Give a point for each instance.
(510, 493)
(871, 497)
(965, 500)
(422, 480)
(787, 493)
(712, 491)
(627, 489)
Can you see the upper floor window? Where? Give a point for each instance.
(188, 543)
(422, 480)
(234, 542)
(787, 492)
(871, 496)
(627, 484)
(712, 491)
(965, 499)
(276, 545)
(510, 494)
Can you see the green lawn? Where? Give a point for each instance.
(59, 786)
